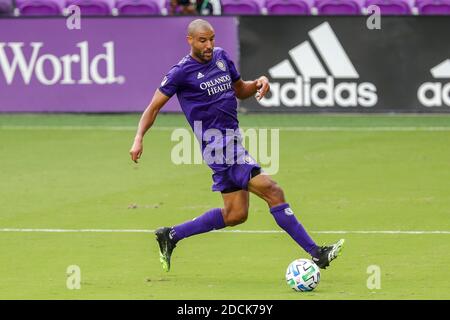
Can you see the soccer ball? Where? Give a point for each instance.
(302, 275)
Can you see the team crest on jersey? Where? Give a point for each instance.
(164, 80)
(221, 65)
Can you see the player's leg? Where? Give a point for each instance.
(234, 212)
(267, 189)
(235, 209)
(168, 237)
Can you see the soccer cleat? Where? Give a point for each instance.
(328, 254)
(166, 246)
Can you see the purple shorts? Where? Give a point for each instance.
(235, 177)
(234, 170)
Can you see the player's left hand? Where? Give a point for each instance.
(263, 86)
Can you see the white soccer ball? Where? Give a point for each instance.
(303, 275)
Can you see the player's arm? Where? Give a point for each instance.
(246, 89)
(147, 120)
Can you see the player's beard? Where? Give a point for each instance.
(201, 55)
(210, 55)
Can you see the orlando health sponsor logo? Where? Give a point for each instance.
(219, 84)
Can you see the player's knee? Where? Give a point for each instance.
(235, 217)
(236, 220)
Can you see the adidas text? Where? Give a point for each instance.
(434, 94)
(303, 93)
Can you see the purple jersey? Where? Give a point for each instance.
(207, 97)
(205, 90)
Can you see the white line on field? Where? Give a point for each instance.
(307, 129)
(106, 128)
(365, 129)
(219, 231)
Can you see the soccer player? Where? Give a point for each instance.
(207, 84)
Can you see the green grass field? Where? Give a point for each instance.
(340, 173)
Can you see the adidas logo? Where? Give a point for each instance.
(200, 75)
(304, 91)
(436, 94)
(171, 233)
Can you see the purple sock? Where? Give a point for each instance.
(285, 218)
(210, 220)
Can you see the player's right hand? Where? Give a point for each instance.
(136, 150)
(262, 86)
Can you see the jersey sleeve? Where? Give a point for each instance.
(171, 81)
(235, 76)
